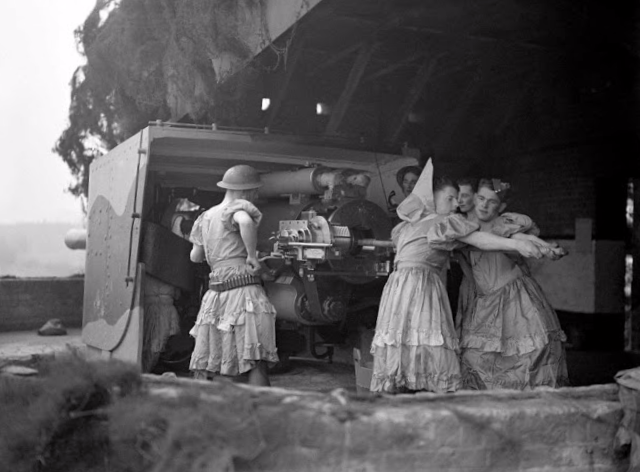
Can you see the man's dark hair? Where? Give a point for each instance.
(444, 182)
(470, 181)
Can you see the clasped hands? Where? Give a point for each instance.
(540, 248)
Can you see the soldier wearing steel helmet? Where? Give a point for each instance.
(235, 328)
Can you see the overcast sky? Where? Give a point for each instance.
(38, 55)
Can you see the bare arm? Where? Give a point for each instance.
(526, 224)
(197, 253)
(532, 238)
(491, 242)
(550, 250)
(249, 235)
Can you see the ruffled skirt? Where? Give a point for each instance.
(546, 366)
(161, 321)
(414, 346)
(513, 339)
(234, 329)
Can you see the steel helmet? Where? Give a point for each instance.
(240, 178)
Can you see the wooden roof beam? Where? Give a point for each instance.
(395, 66)
(290, 64)
(415, 91)
(357, 70)
(474, 37)
(392, 22)
(481, 79)
(335, 58)
(459, 113)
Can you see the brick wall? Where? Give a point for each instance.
(26, 304)
(554, 187)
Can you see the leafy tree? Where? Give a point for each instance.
(145, 60)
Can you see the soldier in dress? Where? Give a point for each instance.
(235, 329)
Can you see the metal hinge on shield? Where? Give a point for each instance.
(135, 214)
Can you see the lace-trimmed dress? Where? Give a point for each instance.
(415, 344)
(505, 225)
(161, 319)
(236, 328)
(512, 337)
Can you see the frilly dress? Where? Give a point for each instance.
(236, 328)
(511, 336)
(505, 225)
(415, 343)
(161, 319)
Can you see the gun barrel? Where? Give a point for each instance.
(374, 242)
(76, 239)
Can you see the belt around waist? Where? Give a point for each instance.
(235, 282)
(410, 264)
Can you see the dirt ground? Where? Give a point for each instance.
(585, 368)
(316, 375)
(309, 374)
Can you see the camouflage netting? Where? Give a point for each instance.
(148, 60)
(57, 421)
(86, 416)
(80, 416)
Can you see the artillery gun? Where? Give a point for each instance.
(324, 238)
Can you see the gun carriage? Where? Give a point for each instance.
(324, 237)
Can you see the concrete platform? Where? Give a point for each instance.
(305, 373)
(26, 346)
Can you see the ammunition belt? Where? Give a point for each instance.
(235, 282)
